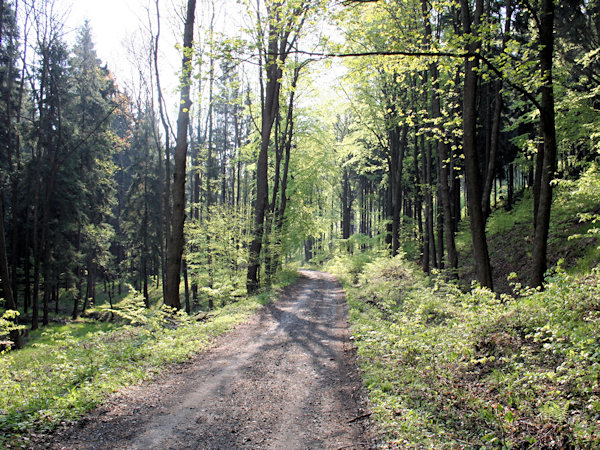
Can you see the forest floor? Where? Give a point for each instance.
(287, 378)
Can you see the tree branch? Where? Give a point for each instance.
(528, 95)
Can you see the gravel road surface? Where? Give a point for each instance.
(286, 379)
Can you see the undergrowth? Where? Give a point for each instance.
(573, 233)
(446, 369)
(67, 372)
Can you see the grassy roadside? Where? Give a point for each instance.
(445, 369)
(70, 369)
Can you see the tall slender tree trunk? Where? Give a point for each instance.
(186, 287)
(490, 173)
(145, 241)
(27, 273)
(280, 213)
(210, 173)
(47, 281)
(36, 245)
(279, 147)
(510, 186)
(78, 288)
(418, 197)
(394, 187)
(472, 171)
(270, 109)
(346, 204)
(542, 223)
(167, 177)
(496, 119)
(439, 230)
(443, 157)
(175, 247)
(401, 135)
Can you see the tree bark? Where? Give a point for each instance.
(472, 170)
(6, 285)
(400, 135)
(270, 108)
(540, 239)
(418, 201)
(496, 119)
(280, 215)
(175, 247)
(443, 157)
(167, 178)
(491, 163)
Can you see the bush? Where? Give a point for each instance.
(8, 324)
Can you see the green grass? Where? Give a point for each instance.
(445, 369)
(502, 221)
(66, 370)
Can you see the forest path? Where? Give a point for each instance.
(287, 378)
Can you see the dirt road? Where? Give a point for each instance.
(286, 379)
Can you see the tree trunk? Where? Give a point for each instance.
(284, 179)
(6, 285)
(426, 262)
(397, 195)
(346, 204)
(271, 207)
(175, 247)
(418, 204)
(510, 186)
(186, 287)
(287, 145)
(145, 245)
(77, 297)
(270, 108)
(167, 178)
(443, 158)
(27, 270)
(542, 223)
(472, 170)
(491, 166)
(496, 119)
(56, 295)
(47, 283)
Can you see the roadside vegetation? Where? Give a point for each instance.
(572, 237)
(446, 368)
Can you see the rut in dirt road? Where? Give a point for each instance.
(286, 379)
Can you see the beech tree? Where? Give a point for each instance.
(471, 20)
(283, 23)
(176, 241)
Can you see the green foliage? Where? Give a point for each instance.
(582, 198)
(8, 325)
(217, 253)
(347, 266)
(504, 221)
(449, 369)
